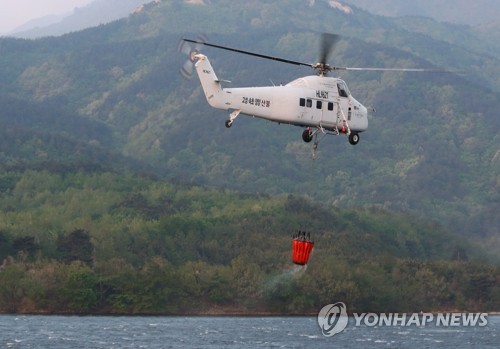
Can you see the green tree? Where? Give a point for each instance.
(48, 280)
(116, 278)
(25, 247)
(157, 287)
(5, 245)
(432, 291)
(76, 246)
(247, 278)
(13, 286)
(80, 289)
(480, 283)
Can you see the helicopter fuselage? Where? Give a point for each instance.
(319, 102)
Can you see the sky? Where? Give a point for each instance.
(14, 13)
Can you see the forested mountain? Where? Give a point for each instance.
(110, 100)
(481, 16)
(454, 11)
(431, 149)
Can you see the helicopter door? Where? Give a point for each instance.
(343, 110)
(311, 110)
(305, 106)
(344, 103)
(330, 114)
(317, 111)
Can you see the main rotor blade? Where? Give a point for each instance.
(390, 69)
(250, 53)
(328, 42)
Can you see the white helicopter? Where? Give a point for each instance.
(319, 103)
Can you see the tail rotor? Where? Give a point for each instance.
(189, 50)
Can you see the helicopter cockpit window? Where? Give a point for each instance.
(342, 87)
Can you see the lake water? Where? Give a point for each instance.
(228, 332)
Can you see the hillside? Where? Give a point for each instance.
(119, 243)
(491, 34)
(96, 13)
(104, 145)
(425, 153)
(462, 12)
(472, 24)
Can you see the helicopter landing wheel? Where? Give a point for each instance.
(354, 138)
(228, 123)
(307, 135)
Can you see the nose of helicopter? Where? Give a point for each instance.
(364, 110)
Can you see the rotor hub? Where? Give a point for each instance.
(322, 68)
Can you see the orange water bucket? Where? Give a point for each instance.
(301, 250)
